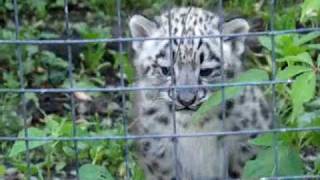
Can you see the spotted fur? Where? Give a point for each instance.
(186, 61)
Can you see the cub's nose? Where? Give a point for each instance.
(186, 97)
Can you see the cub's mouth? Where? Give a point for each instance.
(187, 108)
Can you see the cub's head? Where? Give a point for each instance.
(195, 61)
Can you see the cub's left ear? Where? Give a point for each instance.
(233, 27)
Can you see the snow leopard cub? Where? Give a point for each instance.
(195, 61)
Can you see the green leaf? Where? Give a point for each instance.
(262, 140)
(313, 46)
(60, 165)
(288, 46)
(50, 60)
(48, 35)
(127, 66)
(310, 9)
(68, 151)
(306, 38)
(303, 90)
(20, 146)
(302, 57)
(265, 41)
(82, 83)
(11, 80)
(230, 92)
(32, 97)
(292, 71)
(94, 55)
(94, 172)
(308, 119)
(289, 163)
(313, 105)
(317, 164)
(2, 170)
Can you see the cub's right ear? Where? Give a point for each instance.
(140, 27)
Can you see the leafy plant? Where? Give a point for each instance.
(297, 59)
(310, 11)
(264, 165)
(295, 62)
(58, 154)
(94, 172)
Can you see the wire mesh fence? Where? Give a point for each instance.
(69, 42)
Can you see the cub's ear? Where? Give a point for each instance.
(140, 27)
(236, 26)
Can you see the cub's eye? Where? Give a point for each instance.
(166, 71)
(206, 72)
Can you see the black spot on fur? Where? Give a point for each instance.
(229, 105)
(220, 115)
(161, 54)
(242, 99)
(214, 57)
(161, 156)
(173, 178)
(170, 105)
(175, 41)
(241, 163)
(254, 114)
(163, 119)
(201, 57)
(254, 98)
(235, 128)
(264, 109)
(245, 122)
(165, 172)
(174, 139)
(173, 55)
(175, 30)
(146, 146)
(254, 122)
(245, 149)
(145, 130)
(253, 157)
(146, 71)
(226, 113)
(150, 111)
(253, 135)
(234, 174)
(200, 43)
(150, 169)
(207, 17)
(216, 68)
(230, 74)
(253, 92)
(155, 165)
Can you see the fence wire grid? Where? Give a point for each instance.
(272, 33)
